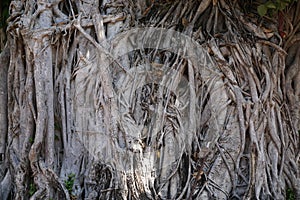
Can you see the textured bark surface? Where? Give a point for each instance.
(95, 104)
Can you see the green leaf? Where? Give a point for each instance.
(69, 183)
(290, 194)
(283, 5)
(270, 4)
(32, 189)
(262, 10)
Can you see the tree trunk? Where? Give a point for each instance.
(150, 100)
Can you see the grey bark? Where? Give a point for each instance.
(158, 122)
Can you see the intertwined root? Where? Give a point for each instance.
(223, 126)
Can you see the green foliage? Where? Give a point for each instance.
(31, 140)
(273, 6)
(69, 183)
(290, 194)
(32, 189)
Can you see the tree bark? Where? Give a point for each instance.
(149, 100)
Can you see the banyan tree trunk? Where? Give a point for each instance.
(142, 99)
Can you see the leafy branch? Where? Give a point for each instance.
(273, 6)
